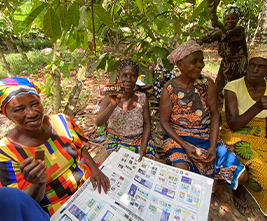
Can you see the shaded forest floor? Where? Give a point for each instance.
(85, 119)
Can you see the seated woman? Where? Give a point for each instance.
(190, 117)
(128, 115)
(19, 206)
(244, 127)
(66, 164)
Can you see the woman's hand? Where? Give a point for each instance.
(142, 153)
(114, 99)
(162, 81)
(192, 154)
(211, 156)
(33, 171)
(99, 179)
(262, 102)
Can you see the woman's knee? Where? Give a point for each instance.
(243, 178)
(183, 166)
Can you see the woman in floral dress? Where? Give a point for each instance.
(127, 115)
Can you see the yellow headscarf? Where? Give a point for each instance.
(259, 52)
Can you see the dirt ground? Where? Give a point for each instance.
(85, 119)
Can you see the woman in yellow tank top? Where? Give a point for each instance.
(244, 127)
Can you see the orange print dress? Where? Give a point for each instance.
(190, 118)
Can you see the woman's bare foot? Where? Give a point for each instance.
(218, 191)
(240, 201)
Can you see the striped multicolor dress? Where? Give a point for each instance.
(190, 118)
(66, 173)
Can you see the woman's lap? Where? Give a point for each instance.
(114, 142)
(226, 166)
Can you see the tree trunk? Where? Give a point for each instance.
(5, 64)
(56, 77)
(24, 55)
(76, 90)
(75, 93)
(263, 36)
(9, 43)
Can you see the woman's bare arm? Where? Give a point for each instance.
(236, 121)
(146, 129)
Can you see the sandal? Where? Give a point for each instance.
(240, 205)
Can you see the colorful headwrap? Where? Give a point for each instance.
(14, 86)
(183, 50)
(127, 62)
(232, 9)
(259, 52)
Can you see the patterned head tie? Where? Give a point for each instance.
(14, 86)
(232, 9)
(127, 62)
(258, 52)
(183, 50)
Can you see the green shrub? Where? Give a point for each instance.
(20, 66)
(33, 43)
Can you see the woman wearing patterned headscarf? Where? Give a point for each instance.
(190, 117)
(52, 180)
(232, 47)
(127, 115)
(244, 127)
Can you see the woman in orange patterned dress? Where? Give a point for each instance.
(190, 117)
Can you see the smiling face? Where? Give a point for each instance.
(230, 20)
(26, 111)
(192, 65)
(257, 69)
(128, 77)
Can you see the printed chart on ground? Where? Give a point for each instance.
(146, 190)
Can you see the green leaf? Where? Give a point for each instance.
(73, 16)
(103, 16)
(178, 28)
(112, 76)
(63, 67)
(83, 12)
(167, 20)
(97, 63)
(199, 8)
(149, 31)
(140, 5)
(167, 64)
(83, 62)
(30, 18)
(158, 5)
(148, 78)
(160, 52)
(72, 43)
(52, 27)
(62, 11)
(76, 62)
(85, 42)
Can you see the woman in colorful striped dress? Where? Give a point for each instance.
(67, 163)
